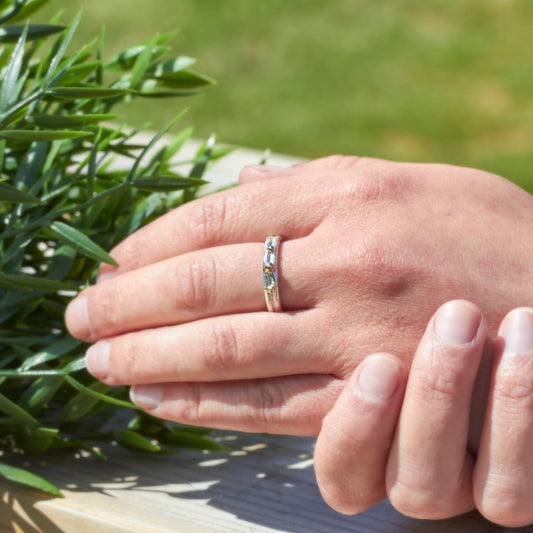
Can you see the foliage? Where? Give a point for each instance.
(73, 184)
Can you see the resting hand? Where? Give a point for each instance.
(372, 446)
(370, 248)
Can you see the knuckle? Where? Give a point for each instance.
(186, 410)
(106, 302)
(269, 401)
(220, 347)
(436, 385)
(195, 283)
(206, 220)
(132, 369)
(513, 390)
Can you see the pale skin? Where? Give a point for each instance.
(370, 249)
(372, 446)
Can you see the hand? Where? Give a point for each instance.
(372, 446)
(370, 249)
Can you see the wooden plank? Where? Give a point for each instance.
(265, 485)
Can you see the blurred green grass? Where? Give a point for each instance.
(424, 80)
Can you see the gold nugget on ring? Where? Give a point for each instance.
(270, 273)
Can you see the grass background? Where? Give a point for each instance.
(425, 80)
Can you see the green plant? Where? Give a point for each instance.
(73, 184)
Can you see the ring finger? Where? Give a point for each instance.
(214, 281)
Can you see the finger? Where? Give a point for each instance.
(252, 173)
(356, 435)
(239, 215)
(215, 281)
(252, 346)
(429, 474)
(291, 405)
(503, 486)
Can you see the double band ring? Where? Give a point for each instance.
(270, 273)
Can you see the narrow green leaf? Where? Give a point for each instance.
(30, 167)
(176, 144)
(8, 93)
(135, 441)
(78, 73)
(125, 60)
(155, 138)
(185, 79)
(2, 154)
(69, 121)
(103, 397)
(11, 34)
(203, 157)
(61, 262)
(52, 351)
(12, 195)
(40, 392)
(155, 88)
(54, 64)
(76, 365)
(16, 412)
(19, 475)
(26, 282)
(170, 66)
(85, 92)
(43, 135)
(166, 183)
(82, 404)
(142, 62)
(80, 242)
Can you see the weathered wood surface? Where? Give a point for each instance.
(265, 485)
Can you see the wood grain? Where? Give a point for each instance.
(266, 484)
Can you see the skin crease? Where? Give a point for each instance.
(370, 249)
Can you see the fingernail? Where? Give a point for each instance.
(146, 396)
(271, 170)
(517, 330)
(379, 378)
(106, 275)
(97, 359)
(457, 322)
(77, 318)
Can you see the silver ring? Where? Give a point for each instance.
(270, 273)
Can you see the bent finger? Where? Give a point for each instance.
(503, 486)
(356, 435)
(430, 471)
(236, 347)
(290, 405)
(216, 281)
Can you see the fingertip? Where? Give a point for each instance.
(517, 330)
(379, 378)
(457, 322)
(77, 318)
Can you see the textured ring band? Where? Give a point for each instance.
(270, 273)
